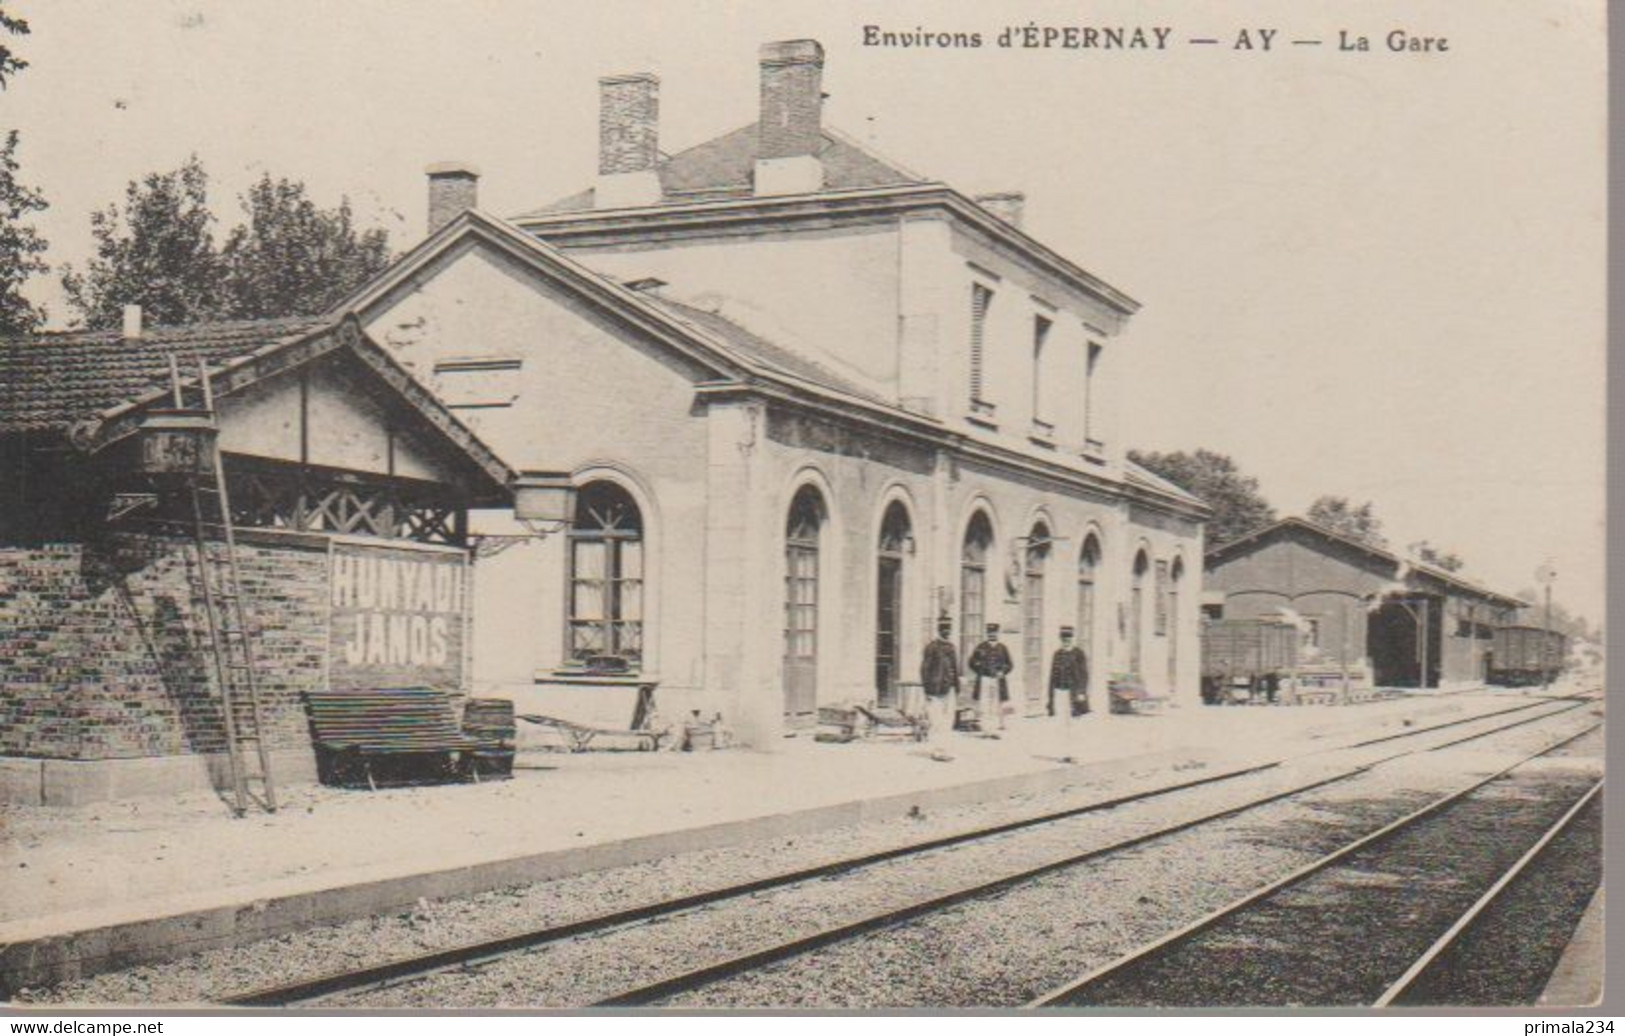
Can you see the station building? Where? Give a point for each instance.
(1412, 624)
(808, 402)
(349, 484)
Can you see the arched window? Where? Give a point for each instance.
(1032, 609)
(1088, 568)
(606, 578)
(802, 533)
(895, 539)
(973, 582)
(1136, 612)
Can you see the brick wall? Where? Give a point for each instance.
(104, 647)
(628, 123)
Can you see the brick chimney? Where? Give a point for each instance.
(1007, 205)
(789, 129)
(453, 188)
(132, 322)
(628, 141)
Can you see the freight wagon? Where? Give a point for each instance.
(1521, 656)
(1246, 658)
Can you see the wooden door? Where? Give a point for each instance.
(801, 627)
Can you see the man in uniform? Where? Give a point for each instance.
(939, 676)
(991, 661)
(1068, 674)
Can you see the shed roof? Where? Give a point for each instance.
(52, 381)
(88, 387)
(1402, 566)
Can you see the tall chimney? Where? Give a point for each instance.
(789, 128)
(628, 141)
(1007, 205)
(453, 189)
(132, 322)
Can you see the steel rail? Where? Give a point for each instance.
(388, 972)
(641, 995)
(1403, 984)
(1458, 722)
(1068, 992)
(646, 994)
(341, 981)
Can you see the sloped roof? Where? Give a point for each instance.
(1401, 566)
(88, 387)
(1137, 474)
(724, 167)
(754, 348)
(50, 381)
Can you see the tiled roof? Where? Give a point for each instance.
(724, 166)
(753, 348)
(49, 381)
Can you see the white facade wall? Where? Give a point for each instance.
(565, 386)
(588, 398)
(828, 295)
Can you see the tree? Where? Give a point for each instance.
(1357, 523)
(21, 246)
(158, 253)
(10, 63)
(1428, 554)
(1238, 506)
(292, 258)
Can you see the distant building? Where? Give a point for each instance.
(1413, 624)
(809, 401)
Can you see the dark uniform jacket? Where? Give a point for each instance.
(939, 669)
(991, 660)
(1069, 671)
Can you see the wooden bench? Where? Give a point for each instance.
(353, 727)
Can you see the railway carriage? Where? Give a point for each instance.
(1521, 656)
(1244, 658)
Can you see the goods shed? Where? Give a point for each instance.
(1359, 605)
(347, 487)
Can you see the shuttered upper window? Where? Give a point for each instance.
(981, 298)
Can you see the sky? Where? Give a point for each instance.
(1373, 274)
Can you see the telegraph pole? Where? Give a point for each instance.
(1547, 575)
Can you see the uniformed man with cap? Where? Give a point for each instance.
(939, 676)
(991, 661)
(1068, 675)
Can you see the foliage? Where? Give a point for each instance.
(1569, 623)
(292, 258)
(1428, 554)
(21, 246)
(1238, 506)
(158, 253)
(288, 258)
(10, 63)
(1337, 514)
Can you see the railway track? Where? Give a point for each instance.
(1269, 947)
(474, 955)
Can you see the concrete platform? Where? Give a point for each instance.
(114, 884)
(1577, 979)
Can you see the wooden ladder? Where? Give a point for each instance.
(231, 642)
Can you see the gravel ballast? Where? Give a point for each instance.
(1134, 897)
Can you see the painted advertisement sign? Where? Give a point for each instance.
(398, 617)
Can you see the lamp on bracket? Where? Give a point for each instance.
(543, 503)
